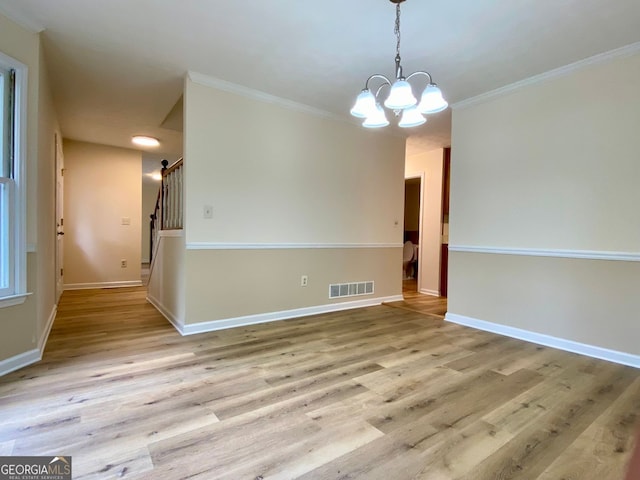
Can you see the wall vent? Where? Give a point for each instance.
(355, 289)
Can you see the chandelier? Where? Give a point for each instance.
(400, 99)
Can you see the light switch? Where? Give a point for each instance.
(126, 221)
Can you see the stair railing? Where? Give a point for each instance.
(168, 211)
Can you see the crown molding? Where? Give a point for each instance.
(14, 14)
(247, 92)
(225, 86)
(625, 51)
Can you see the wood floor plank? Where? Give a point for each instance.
(536, 447)
(246, 403)
(610, 436)
(107, 464)
(386, 392)
(333, 440)
(6, 448)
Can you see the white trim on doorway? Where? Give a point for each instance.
(433, 293)
(421, 176)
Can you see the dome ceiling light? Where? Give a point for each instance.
(145, 141)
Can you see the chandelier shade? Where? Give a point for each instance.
(411, 117)
(432, 100)
(400, 96)
(365, 104)
(376, 119)
(400, 99)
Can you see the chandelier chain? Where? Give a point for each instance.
(396, 30)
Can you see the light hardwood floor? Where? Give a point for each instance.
(375, 393)
(418, 302)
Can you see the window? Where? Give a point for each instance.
(12, 201)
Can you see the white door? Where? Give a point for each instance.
(59, 217)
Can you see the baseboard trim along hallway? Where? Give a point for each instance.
(223, 324)
(88, 286)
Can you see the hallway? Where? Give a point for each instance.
(418, 302)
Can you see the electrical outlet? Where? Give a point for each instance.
(304, 280)
(123, 263)
(207, 211)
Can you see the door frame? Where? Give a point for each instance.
(421, 176)
(59, 216)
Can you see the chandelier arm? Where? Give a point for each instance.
(376, 75)
(380, 88)
(420, 72)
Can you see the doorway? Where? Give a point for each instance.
(59, 165)
(411, 236)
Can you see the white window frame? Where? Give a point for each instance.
(17, 291)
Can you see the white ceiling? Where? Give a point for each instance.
(117, 66)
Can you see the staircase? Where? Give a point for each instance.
(168, 211)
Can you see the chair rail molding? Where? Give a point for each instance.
(284, 246)
(543, 252)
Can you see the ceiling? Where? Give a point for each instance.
(117, 67)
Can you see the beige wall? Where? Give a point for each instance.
(166, 288)
(588, 301)
(23, 327)
(273, 174)
(276, 175)
(430, 165)
(102, 186)
(264, 281)
(19, 324)
(149, 197)
(552, 165)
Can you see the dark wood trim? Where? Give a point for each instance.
(446, 181)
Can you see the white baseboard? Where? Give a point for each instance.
(85, 286)
(166, 313)
(547, 340)
(433, 293)
(31, 356)
(42, 344)
(18, 361)
(202, 327)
